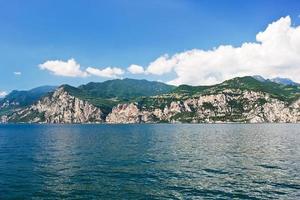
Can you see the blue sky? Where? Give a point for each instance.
(118, 33)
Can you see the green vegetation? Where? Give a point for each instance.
(184, 117)
(282, 92)
(228, 118)
(152, 95)
(261, 101)
(21, 99)
(98, 101)
(236, 106)
(156, 102)
(32, 115)
(6, 111)
(208, 105)
(126, 89)
(190, 90)
(107, 94)
(25, 98)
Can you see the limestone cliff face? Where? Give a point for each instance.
(60, 107)
(129, 113)
(228, 106)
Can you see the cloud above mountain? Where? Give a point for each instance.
(71, 68)
(136, 69)
(275, 53)
(108, 72)
(61, 68)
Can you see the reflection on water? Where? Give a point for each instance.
(258, 161)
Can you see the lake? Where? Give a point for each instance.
(162, 161)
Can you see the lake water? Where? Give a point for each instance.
(214, 161)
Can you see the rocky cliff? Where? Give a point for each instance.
(59, 107)
(242, 100)
(228, 106)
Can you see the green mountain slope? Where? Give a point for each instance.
(109, 93)
(16, 99)
(126, 88)
(24, 98)
(155, 94)
(283, 92)
(241, 99)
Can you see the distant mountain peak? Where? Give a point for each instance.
(21, 98)
(259, 78)
(284, 81)
(279, 80)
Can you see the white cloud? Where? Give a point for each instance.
(275, 53)
(108, 72)
(71, 68)
(62, 68)
(136, 69)
(3, 94)
(17, 73)
(161, 65)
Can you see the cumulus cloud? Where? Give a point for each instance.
(3, 94)
(275, 53)
(61, 68)
(108, 72)
(161, 65)
(136, 69)
(71, 68)
(17, 73)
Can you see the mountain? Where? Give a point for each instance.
(259, 78)
(24, 98)
(282, 92)
(284, 81)
(58, 107)
(103, 95)
(16, 99)
(279, 80)
(110, 93)
(241, 99)
(125, 88)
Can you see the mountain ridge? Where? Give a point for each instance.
(279, 80)
(22, 98)
(142, 101)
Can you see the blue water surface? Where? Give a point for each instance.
(162, 161)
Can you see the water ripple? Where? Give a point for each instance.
(224, 161)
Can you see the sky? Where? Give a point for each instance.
(197, 42)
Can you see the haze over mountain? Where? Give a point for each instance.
(24, 98)
(284, 81)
